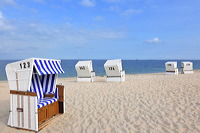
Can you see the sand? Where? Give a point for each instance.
(148, 103)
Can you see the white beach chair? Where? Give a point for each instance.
(186, 67)
(171, 68)
(114, 72)
(34, 96)
(85, 71)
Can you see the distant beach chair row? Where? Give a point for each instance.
(186, 68)
(113, 69)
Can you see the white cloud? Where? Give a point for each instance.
(153, 41)
(3, 24)
(114, 8)
(1, 15)
(88, 3)
(130, 12)
(7, 2)
(33, 38)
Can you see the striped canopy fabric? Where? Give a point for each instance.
(48, 83)
(36, 85)
(44, 77)
(48, 66)
(43, 84)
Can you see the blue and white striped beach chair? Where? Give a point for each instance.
(34, 96)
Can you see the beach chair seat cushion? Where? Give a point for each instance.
(45, 101)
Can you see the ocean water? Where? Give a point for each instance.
(130, 67)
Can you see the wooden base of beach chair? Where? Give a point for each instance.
(45, 123)
(47, 111)
(52, 109)
(25, 115)
(42, 124)
(46, 114)
(61, 101)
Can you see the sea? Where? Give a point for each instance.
(130, 67)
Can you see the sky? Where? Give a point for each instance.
(100, 29)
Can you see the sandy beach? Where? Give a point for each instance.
(150, 103)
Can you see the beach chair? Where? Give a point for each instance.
(34, 96)
(171, 68)
(114, 72)
(85, 71)
(186, 67)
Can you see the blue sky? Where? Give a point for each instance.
(100, 29)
